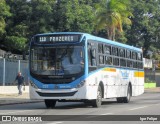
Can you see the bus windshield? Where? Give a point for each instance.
(61, 60)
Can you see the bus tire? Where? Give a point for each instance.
(97, 102)
(50, 103)
(128, 97)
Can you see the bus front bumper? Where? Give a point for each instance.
(74, 93)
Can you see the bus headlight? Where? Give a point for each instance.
(33, 85)
(81, 84)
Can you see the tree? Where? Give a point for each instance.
(41, 16)
(73, 15)
(145, 25)
(111, 15)
(4, 13)
(30, 17)
(17, 29)
(79, 16)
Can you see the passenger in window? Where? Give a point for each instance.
(72, 62)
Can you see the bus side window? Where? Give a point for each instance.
(100, 48)
(107, 49)
(101, 59)
(93, 57)
(123, 62)
(134, 55)
(129, 63)
(128, 54)
(114, 51)
(134, 64)
(139, 56)
(140, 65)
(108, 60)
(116, 61)
(121, 52)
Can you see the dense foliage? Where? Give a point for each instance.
(112, 15)
(135, 22)
(145, 29)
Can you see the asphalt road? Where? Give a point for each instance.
(146, 106)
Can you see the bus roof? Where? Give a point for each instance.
(99, 39)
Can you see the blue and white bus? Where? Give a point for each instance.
(78, 66)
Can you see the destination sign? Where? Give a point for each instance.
(57, 38)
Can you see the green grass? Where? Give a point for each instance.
(149, 85)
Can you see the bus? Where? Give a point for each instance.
(75, 66)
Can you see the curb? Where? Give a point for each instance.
(2, 104)
(151, 91)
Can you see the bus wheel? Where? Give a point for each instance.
(97, 102)
(50, 103)
(128, 97)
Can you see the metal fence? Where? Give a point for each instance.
(150, 75)
(9, 69)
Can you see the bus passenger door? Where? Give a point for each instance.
(92, 56)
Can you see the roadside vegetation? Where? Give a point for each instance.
(134, 22)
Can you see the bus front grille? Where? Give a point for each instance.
(56, 94)
(56, 81)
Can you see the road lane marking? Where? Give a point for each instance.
(138, 108)
(14, 112)
(54, 123)
(107, 114)
(93, 116)
(157, 104)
